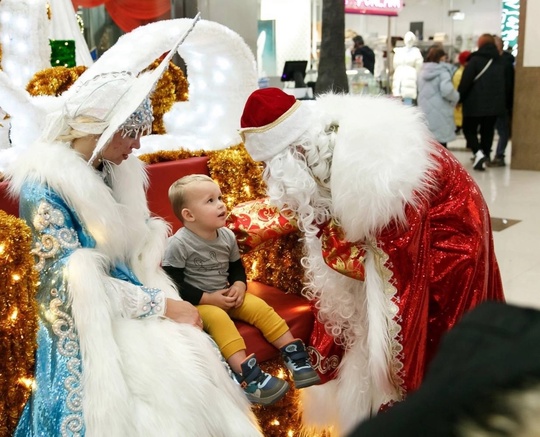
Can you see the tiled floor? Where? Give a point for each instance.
(513, 197)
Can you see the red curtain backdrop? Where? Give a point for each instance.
(129, 14)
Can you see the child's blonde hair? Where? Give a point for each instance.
(177, 192)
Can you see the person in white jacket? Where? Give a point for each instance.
(407, 63)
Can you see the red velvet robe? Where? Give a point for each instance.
(442, 264)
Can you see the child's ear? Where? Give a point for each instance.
(187, 216)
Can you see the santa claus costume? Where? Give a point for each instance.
(397, 235)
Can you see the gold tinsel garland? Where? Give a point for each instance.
(171, 88)
(53, 81)
(18, 319)
(283, 419)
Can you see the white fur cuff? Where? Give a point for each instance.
(263, 143)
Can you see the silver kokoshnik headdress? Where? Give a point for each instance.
(108, 103)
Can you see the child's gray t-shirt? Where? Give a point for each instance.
(205, 262)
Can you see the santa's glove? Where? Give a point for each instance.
(339, 254)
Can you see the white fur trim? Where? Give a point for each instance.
(116, 219)
(91, 309)
(157, 375)
(263, 143)
(146, 265)
(360, 316)
(382, 161)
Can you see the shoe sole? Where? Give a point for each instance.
(271, 399)
(480, 164)
(308, 382)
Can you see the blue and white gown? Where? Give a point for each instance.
(107, 362)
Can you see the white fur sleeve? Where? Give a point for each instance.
(136, 301)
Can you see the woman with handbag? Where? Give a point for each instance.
(482, 92)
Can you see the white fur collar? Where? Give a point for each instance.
(382, 161)
(115, 218)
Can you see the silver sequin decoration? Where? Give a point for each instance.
(68, 346)
(48, 218)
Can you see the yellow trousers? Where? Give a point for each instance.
(255, 311)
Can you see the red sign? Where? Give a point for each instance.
(373, 7)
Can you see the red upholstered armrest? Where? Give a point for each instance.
(161, 175)
(8, 203)
(294, 309)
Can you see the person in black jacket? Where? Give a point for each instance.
(366, 55)
(484, 381)
(483, 93)
(503, 125)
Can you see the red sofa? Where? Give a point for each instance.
(8, 203)
(294, 309)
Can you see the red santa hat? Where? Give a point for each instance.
(272, 120)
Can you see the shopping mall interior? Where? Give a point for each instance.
(514, 203)
(237, 47)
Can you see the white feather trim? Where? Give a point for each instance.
(222, 74)
(158, 375)
(215, 56)
(27, 117)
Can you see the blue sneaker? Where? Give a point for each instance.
(260, 387)
(297, 361)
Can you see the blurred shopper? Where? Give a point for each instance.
(437, 96)
(483, 382)
(482, 91)
(463, 58)
(503, 125)
(362, 55)
(407, 63)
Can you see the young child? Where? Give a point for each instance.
(203, 259)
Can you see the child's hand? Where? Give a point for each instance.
(237, 291)
(219, 298)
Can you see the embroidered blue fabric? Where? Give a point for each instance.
(55, 404)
